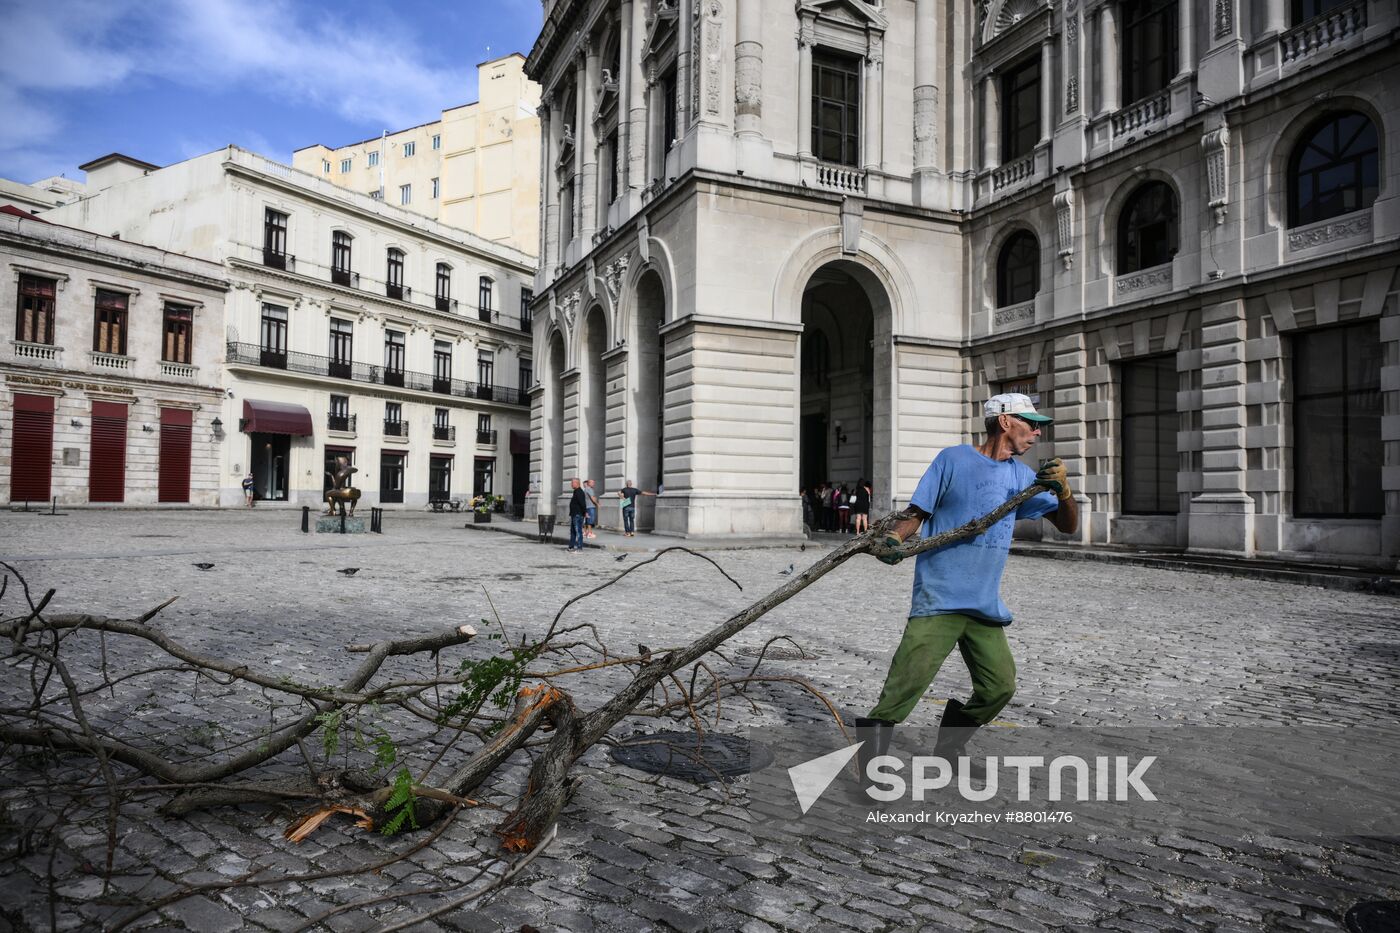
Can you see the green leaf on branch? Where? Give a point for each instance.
(399, 806)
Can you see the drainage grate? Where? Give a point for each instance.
(682, 755)
(1373, 917)
(778, 653)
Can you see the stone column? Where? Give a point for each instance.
(1222, 516)
(580, 117)
(804, 92)
(1108, 58)
(991, 123)
(549, 195)
(685, 49)
(1275, 17)
(636, 102)
(656, 127)
(624, 98)
(1071, 358)
(748, 69)
(1186, 38)
(925, 86)
(588, 143)
(1047, 98)
(873, 154)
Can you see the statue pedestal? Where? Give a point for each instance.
(330, 524)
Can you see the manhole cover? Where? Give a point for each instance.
(681, 755)
(778, 653)
(1373, 917)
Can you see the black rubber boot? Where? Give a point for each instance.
(955, 730)
(875, 734)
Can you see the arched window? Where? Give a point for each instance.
(393, 274)
(1018, 269)
(1334, 170)
(483, 297)
(1147, 234)
(340, 257)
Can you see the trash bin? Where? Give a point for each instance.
(546, 529)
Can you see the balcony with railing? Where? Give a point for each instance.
(398, 292)
(173, 370)
(43, 354)
(395, 428)
(250, 354)
(345, 277)
(342, 422)
(841, 178)
(486, 438)
(1142, 114)
(449, 305)
(275, 259)
(488, 315)
(444, 432)
(1324, 32)
(526, 324)
(1013, 172)
(117, 361)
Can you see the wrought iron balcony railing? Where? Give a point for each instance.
(278, 260)
(345, 277)
(395, 428)
(444, 432)
(251, 354)
(446, 304)
(486, 438)
(526, 324)
(340, 422)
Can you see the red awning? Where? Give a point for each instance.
(275, 418)
(519, 441)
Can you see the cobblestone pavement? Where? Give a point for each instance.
(1096, 644)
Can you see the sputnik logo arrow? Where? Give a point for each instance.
(811, 778)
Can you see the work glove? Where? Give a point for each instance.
(891, 540)
(1052, 475)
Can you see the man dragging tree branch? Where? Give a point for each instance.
(957, 588)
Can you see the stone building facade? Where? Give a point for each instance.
(476, 168)
(110, 377)
(786, 243)
(344, 333)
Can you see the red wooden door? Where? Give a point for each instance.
(175, 439)
(31, 450)
(107, 468)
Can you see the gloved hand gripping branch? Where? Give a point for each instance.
(1052, 475)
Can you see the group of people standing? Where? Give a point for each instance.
(843, 508)
(583, 510)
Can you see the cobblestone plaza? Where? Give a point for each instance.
(1097, 644)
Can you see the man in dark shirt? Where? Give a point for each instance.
(628, 494)
(578, 508)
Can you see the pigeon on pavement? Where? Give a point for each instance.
(349, 571)
(784, 573)
(620, 557)
(205, 566)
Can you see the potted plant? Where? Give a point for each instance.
(498, 504)
(481, 510)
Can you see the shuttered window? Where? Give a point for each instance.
(109, 323)
(34, 318)
(31, 450)
(179, 328)
(107, 464)
(175, 442)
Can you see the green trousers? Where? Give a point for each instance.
(926, 643)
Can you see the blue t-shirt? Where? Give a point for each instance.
(959, 486)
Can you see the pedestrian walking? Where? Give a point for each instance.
(628, 496)
(250, 486)
(578, 510)
(590, 520)
(843, 509)
(957, 589)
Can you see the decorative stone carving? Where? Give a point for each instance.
(1008, 14)
(644, 239)
(925, 125)
(1071, 56)
(1141, 281)
(1215, 147)
(1358, 224)
(569, 309)
(1064, 226)
(714, 55)
(748, 83)
(1224, 18)
(612, 277)
(697, 46)
(1014, 315)
(1072, 94)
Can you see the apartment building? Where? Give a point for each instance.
(353, 328)
(475, 168)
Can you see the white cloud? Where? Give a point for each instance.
(300, 55)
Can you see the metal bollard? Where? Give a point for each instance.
(376, 521)
(306, 519)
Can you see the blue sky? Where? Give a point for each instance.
(164, 80)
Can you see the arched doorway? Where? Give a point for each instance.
(844, 422)
(646, 391)
(593, 400)
(552, 482)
